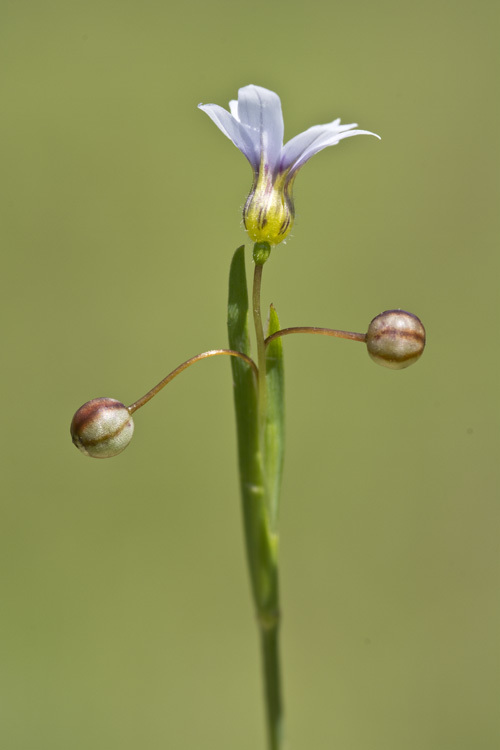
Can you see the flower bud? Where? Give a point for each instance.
(269, 213)
(102, 428)
(395, 339)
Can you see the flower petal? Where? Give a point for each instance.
(240, 135)
(233, 108)
(260, 110)
(300, 149)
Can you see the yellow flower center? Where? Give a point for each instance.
(268, 214)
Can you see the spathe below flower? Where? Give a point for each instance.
(255, 125)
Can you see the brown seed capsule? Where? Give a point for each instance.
(395, 339)
(102, 428)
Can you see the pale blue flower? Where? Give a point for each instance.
(255, 126)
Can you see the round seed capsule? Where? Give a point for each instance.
(395, 339)
(102, 428)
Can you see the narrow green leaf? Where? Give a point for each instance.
(245, 387)
(275, 421)
(237, 307)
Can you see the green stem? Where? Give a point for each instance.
(271, 662)
(261, 346)
(261, 540)
(269, 614)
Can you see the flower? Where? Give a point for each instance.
(255, 126)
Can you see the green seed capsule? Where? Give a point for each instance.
(395, 339)
(102, 428)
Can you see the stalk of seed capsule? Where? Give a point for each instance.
(395, 339)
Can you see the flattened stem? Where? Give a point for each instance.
(261, 543)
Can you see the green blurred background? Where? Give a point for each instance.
(126, 619)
